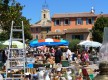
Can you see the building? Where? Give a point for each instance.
(43, 26)
(104, 15)
(72, 25)
(65, 26)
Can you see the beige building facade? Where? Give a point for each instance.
(40, 29)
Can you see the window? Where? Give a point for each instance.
(47, 29)
(44, 15)
(80, 37)
(66, 22)
(36, 29)
(89, 21)
(57, 22)
(79, 21)
(32, 30)
(36, 36)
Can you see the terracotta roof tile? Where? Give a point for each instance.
(77, 30)
(55, 33)
(41, 24)
(74, 15)
(104, 15)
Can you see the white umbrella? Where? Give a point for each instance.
(90, 44)
(17, 43)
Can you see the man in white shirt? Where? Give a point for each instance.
(68, 54)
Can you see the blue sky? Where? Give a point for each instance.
(32, 9)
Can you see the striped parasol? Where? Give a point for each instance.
(48, 42)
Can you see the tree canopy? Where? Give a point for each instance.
(10, 10)
(98, 28)
(73, 44)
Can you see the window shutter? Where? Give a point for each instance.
(82, 21)
(60, 22)
(81, 37)
(73, 36)
(63, 21)
(69, 21)
(86, 20)
(54, 22)
(76, 21)
(92, 20)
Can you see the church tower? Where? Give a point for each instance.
(43, 26)
(45, 13)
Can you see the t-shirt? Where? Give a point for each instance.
(69, 54)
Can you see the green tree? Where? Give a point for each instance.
(11, 11)
(98, 28)
(73, 44)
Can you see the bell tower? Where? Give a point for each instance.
(45, 13)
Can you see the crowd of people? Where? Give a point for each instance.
(61, 53)
(55, 56)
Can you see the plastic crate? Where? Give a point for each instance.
(65, 63)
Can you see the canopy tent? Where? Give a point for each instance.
(18, 44)
(88, 43)
(48, 42)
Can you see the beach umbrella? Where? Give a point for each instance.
(90, 44)
(48, 42)
(83, 42)
(18, 44)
